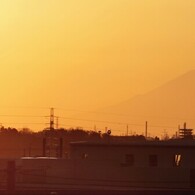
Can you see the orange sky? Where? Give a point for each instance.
(85, 55)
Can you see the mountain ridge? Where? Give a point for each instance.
(164, 108)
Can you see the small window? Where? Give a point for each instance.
(177, 159)
(153, 160)
(129, 159)
(84, 155)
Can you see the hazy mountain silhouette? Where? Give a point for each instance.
(164, 108)
(173, 99)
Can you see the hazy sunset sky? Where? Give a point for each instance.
(88, 54)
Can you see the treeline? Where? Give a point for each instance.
(74, 134)
(15, 143)
(68, 135)
(71, 132)
(61, 131)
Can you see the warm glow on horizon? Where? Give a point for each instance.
(87, 55)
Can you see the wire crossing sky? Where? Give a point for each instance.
(91, 54)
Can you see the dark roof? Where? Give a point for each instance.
(170, 143)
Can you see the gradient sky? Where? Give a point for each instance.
(84, 54)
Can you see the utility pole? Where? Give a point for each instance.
(127, 129)
(57, 122)
(11, 176)
(146, 129)
(95, 128)
(51, 118)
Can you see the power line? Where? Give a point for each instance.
(31, 116)
(15, 123)
(78, 119)
(117, 123)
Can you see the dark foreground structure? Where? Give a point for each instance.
(100, 192)
(136, 167)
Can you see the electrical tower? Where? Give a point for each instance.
(52, 143)
(185, 133)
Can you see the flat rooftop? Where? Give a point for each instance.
(168, 143)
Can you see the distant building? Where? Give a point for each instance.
(137, 164)
(143, 164)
